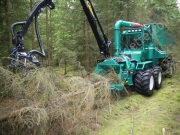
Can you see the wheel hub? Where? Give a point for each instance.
(151, 83)
(159, 77)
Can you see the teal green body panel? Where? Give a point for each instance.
(116, 87)
(121, 66)
(144, 65)
(130, 57)
(117, 35)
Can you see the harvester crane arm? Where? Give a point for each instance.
(94, 22)
(18, 31)
(17, 38)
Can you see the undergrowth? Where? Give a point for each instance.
(141, 115)
(48, 102)
(45, 102)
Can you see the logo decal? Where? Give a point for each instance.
(90, 7)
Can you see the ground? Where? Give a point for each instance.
(132, 114)
(139, 115)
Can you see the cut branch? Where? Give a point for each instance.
(5, 117)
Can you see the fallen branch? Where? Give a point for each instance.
(22, 112)
(126, 91)
(131, 133)
(164, 131)
(5, 117)
(97, 84)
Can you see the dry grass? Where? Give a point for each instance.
(48, 103)
(9, 82)
(30, 120)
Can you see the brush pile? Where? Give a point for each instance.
(47, 103)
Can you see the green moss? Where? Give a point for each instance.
(145, 115)
(176, 97)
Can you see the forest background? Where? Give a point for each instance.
(66, 35)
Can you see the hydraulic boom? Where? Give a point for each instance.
(100, 36)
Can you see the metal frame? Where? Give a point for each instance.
(17, 53)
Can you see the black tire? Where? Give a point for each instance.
(144, 82)
(169, 72)
(158, 77)
(174, 67)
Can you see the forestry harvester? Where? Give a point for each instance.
(140, 57)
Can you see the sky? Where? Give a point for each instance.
(178, 1)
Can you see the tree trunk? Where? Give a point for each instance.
(5, 32)
(47, 36)
(65, 66)
(7, 19)
(86, 41)
(128, 11)
(50, 44)
(1, 30)
(32, 28)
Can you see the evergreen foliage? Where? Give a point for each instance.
(66, 26)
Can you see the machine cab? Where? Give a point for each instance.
(132, 39)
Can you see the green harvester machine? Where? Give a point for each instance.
(140, 57)
(140, 53)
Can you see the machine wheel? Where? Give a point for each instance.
(174, 67)
(144, 82)
(169, 72)
(158, 77)
(168, 66)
